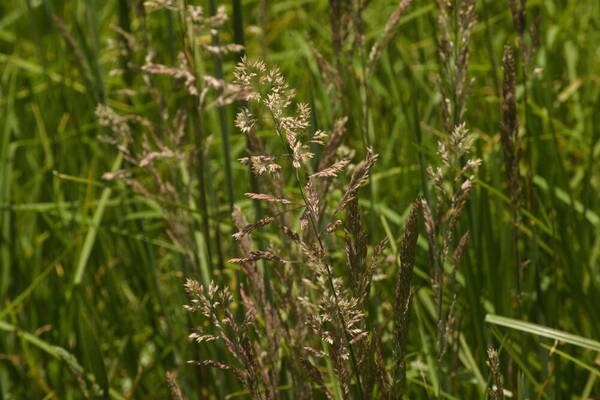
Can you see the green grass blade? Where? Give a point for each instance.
(544, 331)
(574, 360)
(90, 237)
(55, 351)
(92, 355)
(26, 293)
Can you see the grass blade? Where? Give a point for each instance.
(90, 237)
(543, 331)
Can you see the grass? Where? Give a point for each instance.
(92, 271)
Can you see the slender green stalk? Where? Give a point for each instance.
(223, 120)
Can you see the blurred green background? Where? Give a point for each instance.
(91, 288)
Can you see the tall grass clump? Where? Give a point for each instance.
(314, 308)
(404, 208)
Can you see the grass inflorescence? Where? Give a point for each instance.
(354, 199)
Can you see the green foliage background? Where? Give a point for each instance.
(91, 290)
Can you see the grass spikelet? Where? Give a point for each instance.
(331, 171)
(251, 227)
(388, 34)
(174, 388)
(512, 151)
(456, 21)
(496, 390)
(360, 177)
(267, 197)
(403, 297)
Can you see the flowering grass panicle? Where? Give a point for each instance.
(316, 301)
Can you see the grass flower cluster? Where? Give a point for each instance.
(324, 199)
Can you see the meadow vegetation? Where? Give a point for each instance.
(299, 199)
